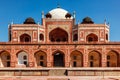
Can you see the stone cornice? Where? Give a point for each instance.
(60, 43)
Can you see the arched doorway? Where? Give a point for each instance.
(76, 59)
(22, 58)
(58, 35)
(92, 38)
(40, 59)
(94, 59)
(58, 59)
(5, 59)
(25, 38)
(112, 59)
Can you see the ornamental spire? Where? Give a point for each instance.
(105, 21)
(42, 14)
(58, 5)
(74, 14)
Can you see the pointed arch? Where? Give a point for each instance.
(25, 38)
(58, 59)
(94, 59)
(5, 59)
(76, 59)
(22, 58)
(19, 51)
(40, 58)
(92, 38)
(58, 35)
(112, 59)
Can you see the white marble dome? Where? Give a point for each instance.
(58, 13)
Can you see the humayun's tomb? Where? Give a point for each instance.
(59, 49)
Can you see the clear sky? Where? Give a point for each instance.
(99, 10)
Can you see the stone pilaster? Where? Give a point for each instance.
(31, 57)
(85, 58)
(103, 60)
(13, 56)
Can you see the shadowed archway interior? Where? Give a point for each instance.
(58, 35)
(40, 59)
(58, 59)
(94, 59)
(25, 38)
(5, 59)
(92, 38)
(76, 59)
(112, 59)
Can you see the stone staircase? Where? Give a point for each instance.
(57, 72)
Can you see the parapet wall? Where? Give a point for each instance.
(60, 73)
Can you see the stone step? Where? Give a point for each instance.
(57, 72)
(60, 78)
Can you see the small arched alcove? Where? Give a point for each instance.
(40, 59)
(92, 38)
(94, 59)
(25, 38)
(76, 59)
(5, 59)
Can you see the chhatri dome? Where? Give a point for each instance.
(58, 13)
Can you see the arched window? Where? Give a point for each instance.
(74, 57)
(24, 57)
(92, 38)
(25, 38)
(75, 37)
(8, 57)
(91, 58)
(41, 37)
(41, 57)
(108, 57)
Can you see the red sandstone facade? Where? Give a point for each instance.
(59, 42)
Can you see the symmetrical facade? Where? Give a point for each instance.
(60, 43)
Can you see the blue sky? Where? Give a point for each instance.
(99, 10)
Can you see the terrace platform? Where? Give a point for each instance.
(59, 73)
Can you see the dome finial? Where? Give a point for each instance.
(58, 5)
(12, 22)
(42, 14)
(74, 14)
